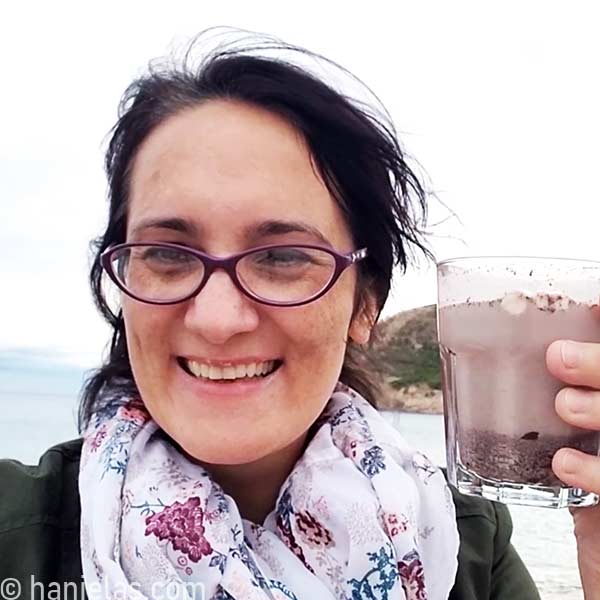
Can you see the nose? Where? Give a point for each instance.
(220, 310)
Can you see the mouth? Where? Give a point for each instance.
(229, 374)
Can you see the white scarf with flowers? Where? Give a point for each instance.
(361, 515)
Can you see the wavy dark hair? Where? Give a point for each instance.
(353, 145)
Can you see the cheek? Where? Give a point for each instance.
(145, 328)
(320, 332)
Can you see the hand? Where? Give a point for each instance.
(578, 365)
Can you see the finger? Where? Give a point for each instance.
(579, 407)
(577, 363)
(577, 469)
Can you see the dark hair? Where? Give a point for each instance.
(354, 148)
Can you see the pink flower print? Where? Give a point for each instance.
(131, 413)
(98, 438)
(412, 576)
(349, 448)
(321, 506)
(312, 532)
(395, 524)
(181, 524)
(127, 501)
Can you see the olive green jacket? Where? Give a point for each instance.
(39, 536)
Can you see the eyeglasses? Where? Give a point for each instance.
(285, 275)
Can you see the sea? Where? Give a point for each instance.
(38, 400)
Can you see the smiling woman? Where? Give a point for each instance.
(230, 439)
(211, 166)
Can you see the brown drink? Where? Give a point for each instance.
(501, 425)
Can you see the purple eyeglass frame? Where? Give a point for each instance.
(228, 264)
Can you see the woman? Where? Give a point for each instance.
(230, 450)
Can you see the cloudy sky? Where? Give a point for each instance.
(497, 101)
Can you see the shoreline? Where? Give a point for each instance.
(418, 399)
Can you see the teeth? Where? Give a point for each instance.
(195, 368)
(230, 373)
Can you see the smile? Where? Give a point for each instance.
(230, 372)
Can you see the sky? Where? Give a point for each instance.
(497, 103)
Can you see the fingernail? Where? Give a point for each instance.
(570, 353)
(577, 402)
(570, 462)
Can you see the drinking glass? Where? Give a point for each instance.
(496, 318)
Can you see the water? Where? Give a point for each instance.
(38, 400)
(38, 396)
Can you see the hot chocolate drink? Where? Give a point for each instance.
(495, 376)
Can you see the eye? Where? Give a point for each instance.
(282, 257)
(166, 256)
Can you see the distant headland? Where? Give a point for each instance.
(405, 353)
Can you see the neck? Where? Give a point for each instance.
(255, 486)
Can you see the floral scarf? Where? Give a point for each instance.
(361, 515)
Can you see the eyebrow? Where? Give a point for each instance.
(278, 227)
(172, 223)
(272, 227)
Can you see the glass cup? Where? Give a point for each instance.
(496, 318)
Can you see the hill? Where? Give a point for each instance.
(405, 349)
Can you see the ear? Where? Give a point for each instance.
(363, 321)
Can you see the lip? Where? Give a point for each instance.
(237, 391)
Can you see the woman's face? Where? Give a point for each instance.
(224, 177)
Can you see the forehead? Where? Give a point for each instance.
(225, 164)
